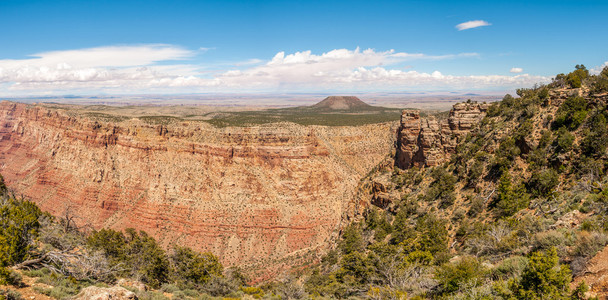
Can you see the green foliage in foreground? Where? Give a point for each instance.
(141, 257)
(481, 226)
(24, 230)
(453, 276)
(543, 278)
(488, 224)
(18, 228)
(190, 267)
(10, 295)
(510, 199)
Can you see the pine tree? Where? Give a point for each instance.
(543, 278)
(510, 199)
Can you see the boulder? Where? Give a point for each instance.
(101, 293)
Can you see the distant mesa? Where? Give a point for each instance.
(341, 103)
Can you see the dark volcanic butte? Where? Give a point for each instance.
(341, 103)
(265, 197)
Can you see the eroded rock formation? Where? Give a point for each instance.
(430, 141)
(263, 197)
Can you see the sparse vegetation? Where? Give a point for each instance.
(67, 260)
(494, 210)
(306, 116)
(518, 210)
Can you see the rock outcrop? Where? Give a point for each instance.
(430, 141)
(264, 198)
(101, 293)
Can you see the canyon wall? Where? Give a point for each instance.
(430, 141)
(264, 198)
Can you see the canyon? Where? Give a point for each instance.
(264, 198)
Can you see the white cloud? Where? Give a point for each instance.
(144, 69)
(112, 56)
(472, 24)
(253, 61)
(598, 69)
(516, 70)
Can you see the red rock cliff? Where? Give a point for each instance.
(430, 141)
(262, 197)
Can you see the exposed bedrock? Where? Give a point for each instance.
(430, 141)
(265, 197)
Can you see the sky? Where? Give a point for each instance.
(176, 47)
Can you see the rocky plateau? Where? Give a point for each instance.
(264, 198)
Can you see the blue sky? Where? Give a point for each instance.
(61, 47)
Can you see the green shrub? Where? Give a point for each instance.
(20, 226)
(3, 188)
(442, 187)
(542, 183)
(494, 109)
(545, 139)
(543, 93)
(179, 295)
(595, 139)
(429, 234)
(510, 199)
(378, 222)
(601, 82)
(4, 275)
(140, 253)
(191, 293)
(401, 228)
(571, 114)
(10, 295)
(190, 267)
(62, 287)
(475, 172)
(543, 278)
(564, 140)
(37, 272)
(549, 239)
(576, 77)
(147, 259)
(477, 207)
(589, 243)
(452, 276)
(508, 149)
(510, 267)
(351, 241)
(220, 286)
(537, 158)
(111, 242)
(357, 265)
(386, 293)
(254, 291)
(169, 288)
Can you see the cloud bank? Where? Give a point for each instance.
(472, 24)
(598, 69)
(170, 69)
(516, 70)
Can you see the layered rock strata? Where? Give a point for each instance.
(430, 141)
(264, 197)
